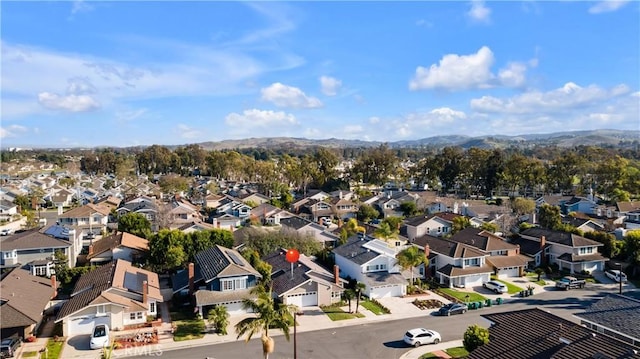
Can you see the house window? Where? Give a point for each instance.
(41, 271)
(445, 229)
(586, 250)
(101, 310)
(152, 307)
(138, 315)
(132, 316)
(472, 262)
(439, 229)
(233, 284)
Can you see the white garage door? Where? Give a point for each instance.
(303, 300)
(508, 273)
(234, 308)
(394, 290)
(475, 280)
(85, 324)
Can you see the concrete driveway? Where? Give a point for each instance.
(78, 346)
(403, 306)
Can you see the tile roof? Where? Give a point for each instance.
(508, 261)
(616, 312)
(118, 239)
(452, 271)
(32, 239)
(565, 238)
(219, 261)
(88, 287)
(481, 239)
(86, 211)
(354, 251)
(628, 206)
(542, 335)
(24, 298)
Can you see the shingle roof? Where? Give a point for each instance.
(24, 298)
(32, 239)
(295, 222)
(628, 206)
(219, 261)
(452, 271)
(542, 335)
(508, 261)
(354, 251)
(575, 258)
(528, 246)
(88, 288)
(181, 279)
(616, 312)
(212, 297)
(123, 239)
(282, 278)
(481, 239)
(377, 279)
(565, 238)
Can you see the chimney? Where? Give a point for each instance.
(336, 274)
(543, 242)
(145, 292)
(90, 250)
(54, 286)
(191, 278)
(427, 250)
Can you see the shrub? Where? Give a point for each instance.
(474, 337)
(384, 309)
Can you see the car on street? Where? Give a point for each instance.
(9, 346)
(420, 336)
(6, 231)
(569, 282)
(495, 286)
(616, 275)
(452, 308)
(99, 337)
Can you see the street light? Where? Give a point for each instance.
(295, 349)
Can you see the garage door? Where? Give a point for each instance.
(475, 280)
(85, 324)
(303, 300)
(394, 290)
(234, 308)
(508, 273)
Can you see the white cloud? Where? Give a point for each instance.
(288, 96)
(188, 132)
(514, 75)
(440, 119)
(330, 85)
(607, 6)
(260, 118)
(352, 129)
(374, 120)
(80, 6)
(71, 103)
(463, 72)
(479, 12)
(12, 131)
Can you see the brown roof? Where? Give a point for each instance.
(448, 216)
(24, 298)
(481, 239)
(447, 247)
(508, 261)
(32, 239)
(451, 271)
(575, 258)
(86, 211)
(118, 239)
(209, 297)
(543, 335)
(628, 206)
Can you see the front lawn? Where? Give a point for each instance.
(336, 313)
(533, 277)
(54, 348)
(458, 352)
(187, 326)
(372, 307)
(29, 354)
(462, 296)
(511, 289)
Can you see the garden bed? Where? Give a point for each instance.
(136, 339)
(427, 303)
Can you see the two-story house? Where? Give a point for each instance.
(120, 245)
(314, 210)
(90, 218)
(146, 206)
(436, 225)
(268, 214)
(578, 204)
(570, 251)
(219, 276)
(372, 262)
(7, 210)
(305, 227)
(455, 264)
(117, 294)
(305, 283)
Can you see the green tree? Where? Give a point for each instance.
(376, 165)
(173, 183)
(489, 227)
(632, 250)
(460, 223)
(268, 315)
(348, 295)
(523, 206)
(410, 258)
(166, 251)
(358, 289)
(367, 212)
(253, 257)
(218, 316)
(474, 337)
(136, 224)
(549, 216)
(409, 208)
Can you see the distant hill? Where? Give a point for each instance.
(560, 139)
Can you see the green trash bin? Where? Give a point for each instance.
(499, 301)
(487, 302)
(480, 305)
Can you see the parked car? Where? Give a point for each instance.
(452, 308)
(568, 282)
(99, 337)
(495, 286)
(616, 275)
(9, 346)
(6, 232)
(419, 336)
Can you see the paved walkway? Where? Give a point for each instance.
(439, 348)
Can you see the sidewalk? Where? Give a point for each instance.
(419, 351)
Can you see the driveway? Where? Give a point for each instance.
(403, 306)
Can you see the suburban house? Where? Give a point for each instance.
(144, 205)
(305, 283)
(536, 251)
(179, 212)
(372, 262)
(313, 209)
(90, 218)
(455, 264)
(7, 210)
(435, 225)
(226, 221)
(632, 220)
(570, 251)
(583, 224)
(120, 245)
(616, 316)
(344, 208)
(305, 227)
(268, 214)
(552, 200)
(535, 333)
(389, 204)
(117, 294)
(213, 200)
(61, 197)
(195, 226)
(502, 256)
(255, 198)
(233, 207)
(23, 299)
(219, 276)
(624, 207)
(578, 204)
(34, 249)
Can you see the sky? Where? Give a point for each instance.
(123, 73)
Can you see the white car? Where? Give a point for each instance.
(100, 337)
(495, 286)
(419, 336)
(616, 275)
(6, 232)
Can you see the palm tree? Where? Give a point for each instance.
(348, 295)
(269, 314)
(359, 288)
(410, 258)
(219, 317)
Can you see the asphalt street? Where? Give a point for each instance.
(384, 339)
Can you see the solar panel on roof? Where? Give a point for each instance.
(235, 259)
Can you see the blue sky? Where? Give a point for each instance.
(159, 72)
